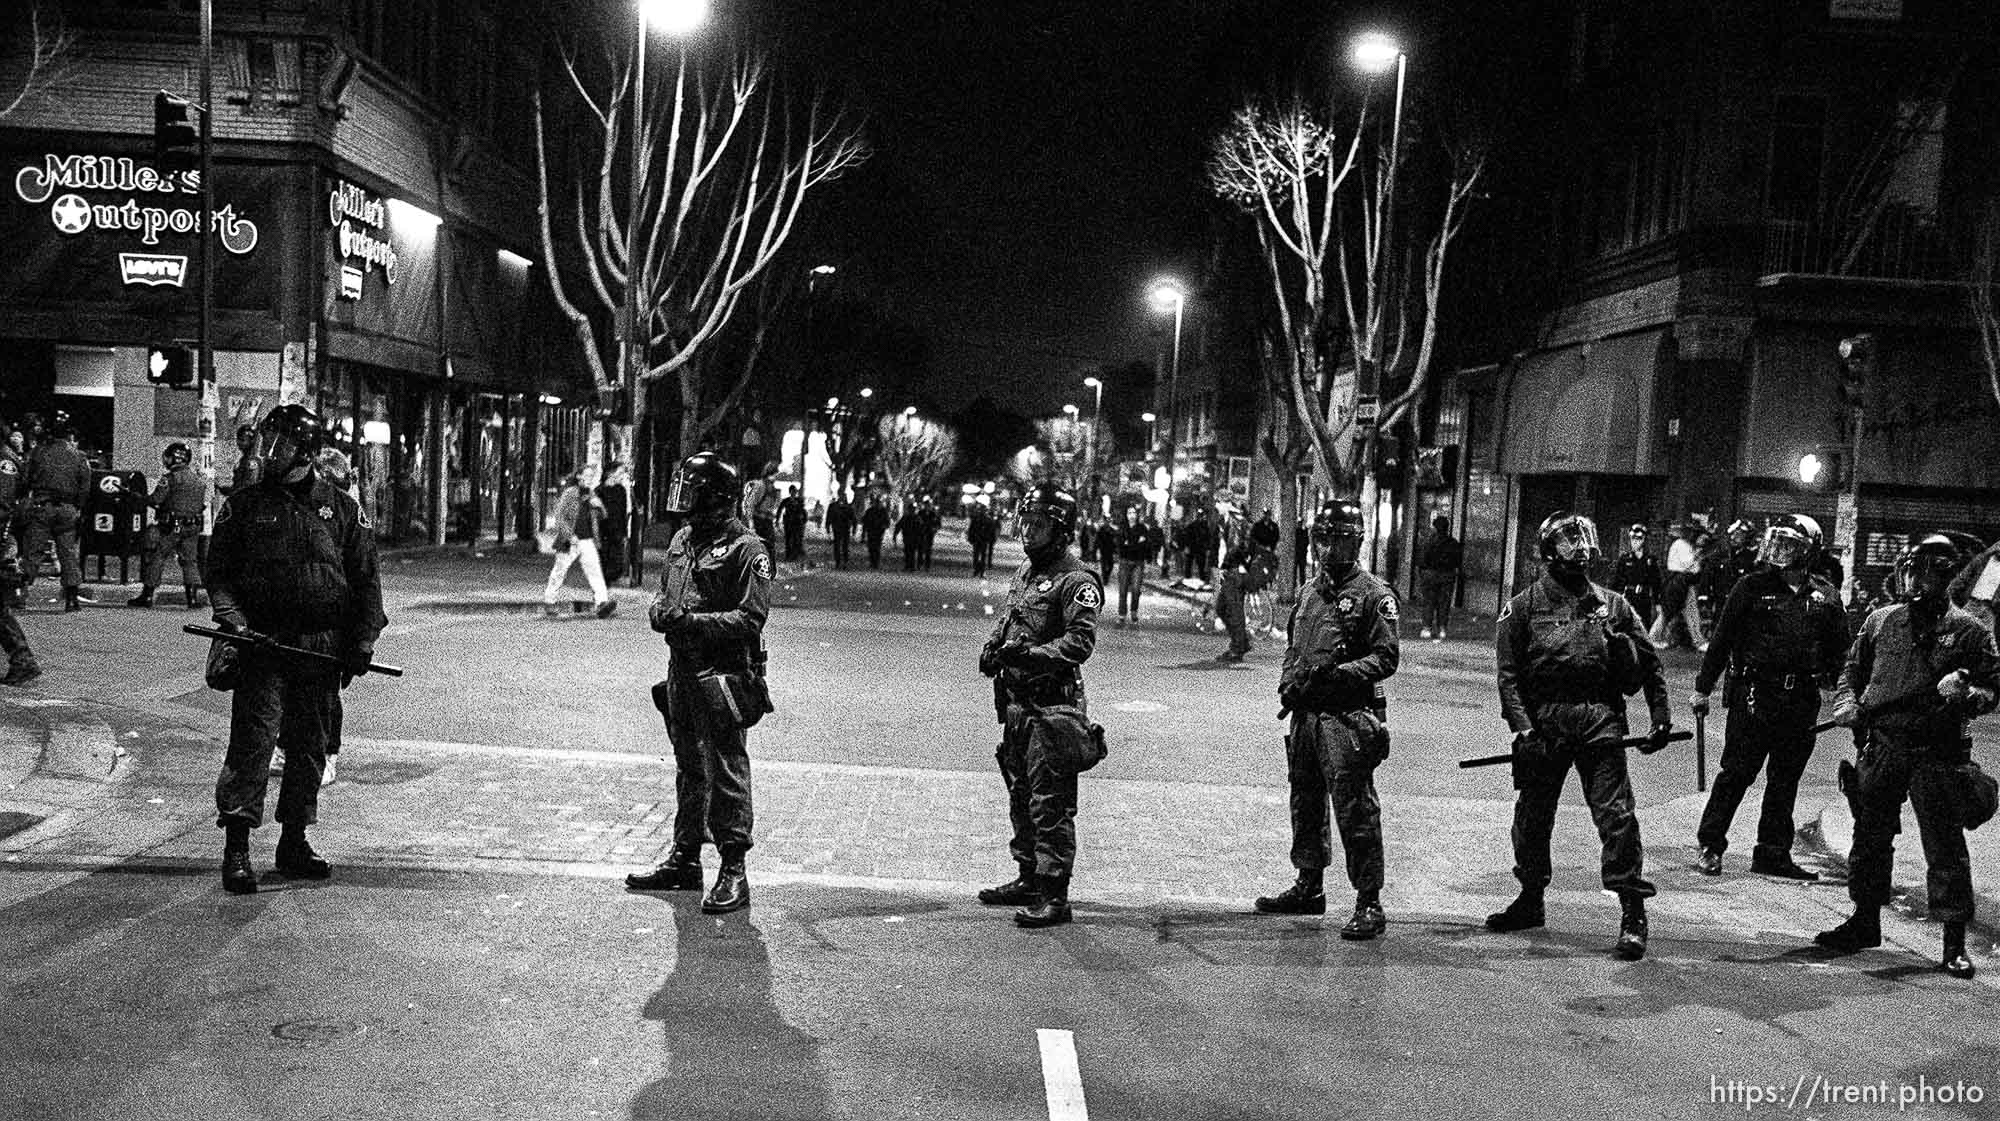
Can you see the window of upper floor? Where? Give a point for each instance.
(1634, 193)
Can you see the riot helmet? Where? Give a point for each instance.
(1742, 531)
(1791, 541)
(1337, 529)
(1635, 537)
(1925, 569)
(704, 488)
(291, 434)
(1568, 544)
(1048, 520)
(177, 454)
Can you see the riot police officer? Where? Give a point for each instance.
(1638, 576)
(715, 593)
(21, 666)
(1035, 657)
(1781, 632)
(1340, 646)
(58, 478)
(291, 562)
(1569, 652)
(181, 501)
(1917, 673)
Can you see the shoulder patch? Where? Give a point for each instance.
(1506, 613)
(7, 467)
(325, 512)
(1087, 595)
(1388, 607)
(361, 517)
(762, 565)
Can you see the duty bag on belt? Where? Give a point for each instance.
(225, 666)
(733, 698)
(1371, 735)
(1975, 794)
(1079, 744)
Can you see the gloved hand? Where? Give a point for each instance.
(989, 661)
(1847, 715)
(354, 663)
(665, 616)
(1529, 747)
(1955, 686)
(1014, 654)
(242, 630)
(1699, 703)
(1657, 739)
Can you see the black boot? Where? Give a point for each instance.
(1631, 928)
(1956, 961)
(1863, 931)
(1017, 892)
(143, 599)
(1306, 896)
(296, 857)
(1051, 909)
(1367, 921)
(732, 887)
(70, 601)
(1524, 913)
(680, 871)
(237, 878)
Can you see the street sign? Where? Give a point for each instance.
(1366, 410)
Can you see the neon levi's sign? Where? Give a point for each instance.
(360, 220)
(73, 214)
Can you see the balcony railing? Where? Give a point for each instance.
(1902, 244)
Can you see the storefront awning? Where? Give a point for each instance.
(1586, 409)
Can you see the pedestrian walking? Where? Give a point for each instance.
(58, 477)
(291, 562)
(1678, 608)
(1341, 645)
(579, 513)
(613, 538)
(1156, 542)
(929, 521)
(1438, 563)
(1917, 674)
(1569, 652)
(982, 532)
(1264, 532)
(180, 504)
(760, 502)
(909, 536)
(1638, 576)
(1232, 587)
(21, 665)
(1132, 551)
(1035, 657)
(715, 593)
(1106, 542)
(1781, 633)
(840, 527)
(792, 518)
(874, 526)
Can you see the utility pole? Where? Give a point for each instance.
(204, 253)
(1858, 365)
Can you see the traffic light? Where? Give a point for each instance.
(1857, 368)
(1824, 468)
(176, 135)
(171, 365)
(612, 405)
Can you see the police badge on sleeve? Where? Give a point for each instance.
(1087, 595)
(762, 565)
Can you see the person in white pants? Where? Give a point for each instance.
(579, 513)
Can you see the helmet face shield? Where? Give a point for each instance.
(683, 494)
(1784, 547)
(1572, 542)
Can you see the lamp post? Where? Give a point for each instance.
(1375, 53)
(1096, 417)
(678, 18)
(1168, 295)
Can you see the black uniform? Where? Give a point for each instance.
(721, 579)
(1340, 646)
(1777, 642)
(13, 642)
(295, 562)
(1229, 595)
(180, 501)
(58, 478)
(840, 526)
(1911, 744)
(981, 533)
(1639, 578)
(1556, 680)
(874, 524)
(1053, 612)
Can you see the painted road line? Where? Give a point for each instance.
(1059, 1073)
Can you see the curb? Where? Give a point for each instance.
(1829, 835)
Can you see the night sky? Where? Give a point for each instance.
(1036, 165)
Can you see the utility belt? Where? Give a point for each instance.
(1042, 690)
(177, 523)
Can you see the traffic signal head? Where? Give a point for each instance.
(176, 136)
(1857, 368)
(171, 366)
(612, 404)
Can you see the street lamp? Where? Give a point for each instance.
(678, 18)
(1096, 417)
(1375, 53)
(1168, 295)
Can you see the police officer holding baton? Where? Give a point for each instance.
(181, 502)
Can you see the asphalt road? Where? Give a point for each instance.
(474, 956)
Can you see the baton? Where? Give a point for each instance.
(1700, 751)
(297, 652)
(1630, 741)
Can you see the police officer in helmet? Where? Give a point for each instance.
(1780, 633)
(180, 502)
(1569, 652)
(291, 562)
(1341, 644)
(1918, 672)
(1035, 657)
(715, 593)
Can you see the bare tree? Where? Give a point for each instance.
(1286, 167)
(1980, 294)
(1064, 445)
(913, 453)
(39, 47)
(728, 156)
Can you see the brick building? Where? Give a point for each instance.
(374, 256)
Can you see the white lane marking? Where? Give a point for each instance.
(1059, 1073)
(1140, 706)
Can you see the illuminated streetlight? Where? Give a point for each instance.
(1810, 467)
(1096, 415)
(1374, 53)
(1148, 418)
(675, 17)
(911, 411)
(866, 393)
(1169, 296)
